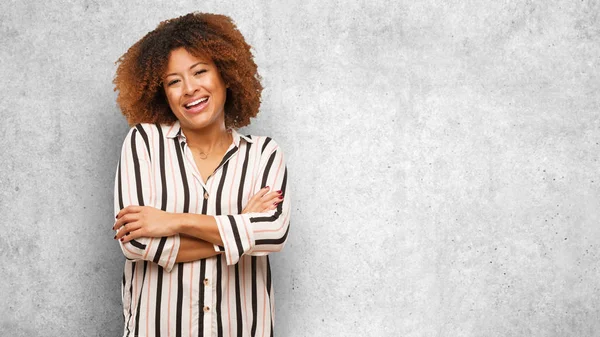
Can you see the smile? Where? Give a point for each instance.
(196, 103)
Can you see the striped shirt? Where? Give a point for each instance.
(230, 294)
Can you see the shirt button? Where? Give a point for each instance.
(206, 282)
(206, 309)
(206, 195)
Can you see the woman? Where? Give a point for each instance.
(198, 206)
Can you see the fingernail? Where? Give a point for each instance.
(117, 216)
(266, 186)
(281, 197)
(279, 192)
(121, 239)
(275, 204)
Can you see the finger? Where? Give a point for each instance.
(132, 235)
(270, 207)
(272, 197)
(129, 209)
(128, 228)
(122, 232)
(258, 195)
(255, 204)
(261, 193)
(266, 207)
(255, 199)
(271, 200)
(127, 218)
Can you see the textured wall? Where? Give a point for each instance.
(443, 155)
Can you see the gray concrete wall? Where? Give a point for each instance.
(443, 159)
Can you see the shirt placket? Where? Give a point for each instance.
(209, 305)
(195, 172)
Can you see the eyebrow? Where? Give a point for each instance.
(192, 67)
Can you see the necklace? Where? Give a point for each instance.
(203, 155)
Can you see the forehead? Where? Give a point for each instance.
(181, 59)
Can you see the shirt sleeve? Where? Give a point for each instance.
(134, 186)
(259, 233)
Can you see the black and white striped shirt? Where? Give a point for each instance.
(230, 294)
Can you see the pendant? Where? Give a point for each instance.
(202, 155)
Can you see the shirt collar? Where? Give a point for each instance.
(237, 137)
(175, 131)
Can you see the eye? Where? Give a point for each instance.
(170, 83)
(200, 72)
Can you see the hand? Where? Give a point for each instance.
(143, 221)
(263, 201)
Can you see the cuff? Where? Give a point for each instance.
(163, 251)
(237, 236)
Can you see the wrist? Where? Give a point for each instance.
(177, 222)
(186, 223)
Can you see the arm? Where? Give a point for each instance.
(133, 186)
(254, 233)
(192, 249)
(251, 233)
(140, 222)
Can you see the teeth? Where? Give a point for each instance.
(198, 101)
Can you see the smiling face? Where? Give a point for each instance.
(195, 90)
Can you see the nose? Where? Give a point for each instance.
(188, 87)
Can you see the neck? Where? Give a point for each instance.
(205, 138)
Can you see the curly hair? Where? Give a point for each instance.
(138, 79)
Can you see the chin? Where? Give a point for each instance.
(200, 121)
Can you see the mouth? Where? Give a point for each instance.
(196, 105)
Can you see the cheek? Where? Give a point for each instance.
(218, 85)
(220, 89)
(172, 97)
